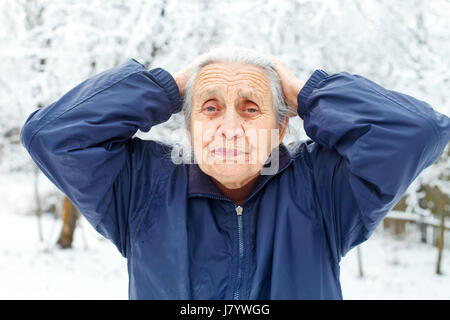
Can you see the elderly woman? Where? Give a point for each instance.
(248, 218)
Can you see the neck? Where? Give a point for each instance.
(236, 184)
(239, 194)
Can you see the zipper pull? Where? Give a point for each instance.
(239, 210)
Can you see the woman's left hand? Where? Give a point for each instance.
(289, 82)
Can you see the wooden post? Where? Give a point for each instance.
(440, 244)
(37, 200)
(439, 207)
(70, 216)
(360, 266)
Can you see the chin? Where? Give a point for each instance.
(227, 172)
(230, 170)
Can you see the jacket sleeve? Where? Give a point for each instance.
(83, 142)
(369, 144)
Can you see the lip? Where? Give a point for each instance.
(227, 152)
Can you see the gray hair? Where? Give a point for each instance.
(183, 153)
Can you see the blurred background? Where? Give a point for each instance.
(47, 251)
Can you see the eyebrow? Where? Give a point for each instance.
(249, 94)
(242, 92)
(210, 92)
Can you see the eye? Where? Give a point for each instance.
(250, 107)
(209, 109)
(251, 110)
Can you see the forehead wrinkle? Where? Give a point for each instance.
(232, 68)
(234, 72)
(219, 80)
(214, 82)
(244, 77)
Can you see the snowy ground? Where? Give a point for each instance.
(30, 269)
(395, 269)
(94, 269)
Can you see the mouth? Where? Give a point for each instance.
(227, 152)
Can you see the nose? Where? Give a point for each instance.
(231, 126)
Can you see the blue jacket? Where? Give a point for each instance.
(182, 238)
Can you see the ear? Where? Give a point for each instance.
(186, 125)
(283, 129)
(187, 130)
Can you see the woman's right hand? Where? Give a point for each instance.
(181, 77)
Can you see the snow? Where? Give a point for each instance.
(395, 269)
(30, 269)
(48, 47)
(428, 219)
(94, 268)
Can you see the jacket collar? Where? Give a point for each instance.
(200, 183)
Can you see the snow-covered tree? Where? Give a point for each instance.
(47, 47)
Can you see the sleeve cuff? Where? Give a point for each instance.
(168, 83)
(307, 89)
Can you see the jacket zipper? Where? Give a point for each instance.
(236, 295)
(239, 210)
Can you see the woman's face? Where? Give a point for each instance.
(233, 126)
